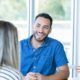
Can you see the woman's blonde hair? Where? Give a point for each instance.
(9, 49)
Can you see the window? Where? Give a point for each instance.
(58, 9)
(15, 11)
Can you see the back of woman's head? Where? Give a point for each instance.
(9, 54)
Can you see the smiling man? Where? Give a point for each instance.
(42, 55)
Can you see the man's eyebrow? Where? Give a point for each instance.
(44, 25)
(38, 23)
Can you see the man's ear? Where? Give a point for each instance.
(50, 31)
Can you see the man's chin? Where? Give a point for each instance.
(40, 40)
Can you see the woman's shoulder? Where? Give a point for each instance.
(9, 73)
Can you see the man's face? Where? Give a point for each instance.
(41, 28)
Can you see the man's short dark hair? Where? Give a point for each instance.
(45, 15)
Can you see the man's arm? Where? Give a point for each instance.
(63, 74)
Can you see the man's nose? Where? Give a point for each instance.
(41, 30)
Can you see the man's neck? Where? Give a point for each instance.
(36, 44)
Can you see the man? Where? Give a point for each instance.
(41, 55)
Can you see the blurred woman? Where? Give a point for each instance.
(9, 52)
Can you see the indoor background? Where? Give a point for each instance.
(65, 28)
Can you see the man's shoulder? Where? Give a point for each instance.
(24, 41)
(54, 40)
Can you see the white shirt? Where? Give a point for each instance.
(8, 73)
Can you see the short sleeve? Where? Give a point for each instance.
(60, 55)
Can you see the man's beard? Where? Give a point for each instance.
(39, 40)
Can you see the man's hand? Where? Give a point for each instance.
(35, 76)
(30, 76)
(41, 77)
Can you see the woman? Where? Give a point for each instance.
(9, 52)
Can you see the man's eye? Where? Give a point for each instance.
(46, 27)
(37, 25)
